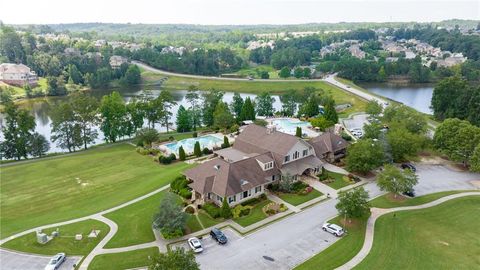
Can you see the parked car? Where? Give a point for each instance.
(409, 166)
(56, 261)
(333, 229)
(218, 236)
(409, 193)
(195, 244)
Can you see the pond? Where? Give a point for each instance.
(417, 96)
(41, 110)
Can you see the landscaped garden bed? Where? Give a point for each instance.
(337, 180)
(251, 211)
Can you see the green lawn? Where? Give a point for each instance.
(53, 190)
(342, 250)
(256, 214)
(387, 201)
(340, 180)
(207, 220)
(443, 237)
(65, 242)
(193, 224)
(297, 199)
(123, 260)
(135, 222)
(255, 87)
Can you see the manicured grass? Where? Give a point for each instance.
(65, 242)
(53, 190)
(123, 260)
(193, 224)
(297, 199)
(256, 214)
(342, 250)
(340, 180)
(256, 87)
(207, 220)
(388, 201)
(135, 222)
(442, 237)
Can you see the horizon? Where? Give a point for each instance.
(237, 13)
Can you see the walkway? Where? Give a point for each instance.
(378, 212)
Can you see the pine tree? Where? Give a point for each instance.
(248, 110)
(330, 112)
(225, 143)
(181, 154)
(196, 150)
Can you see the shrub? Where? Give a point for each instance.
(167, 235)
(171, 138)
(299, 186)
(263, 196)
(190, 209)
(179, 183)
(195, 134)
(251, 201)
(196, 150)
(240, 211)
(206, 151)
(234, 128)
(270, 212)
(211, 209)
(173, 157)
(226, 210)
(283, 207)
(185, 193)
(225, 143)
(181, 154)
(165, 160)
(346, 137)
(260, 122)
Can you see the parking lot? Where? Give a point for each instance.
(209, 244)
(19, 261)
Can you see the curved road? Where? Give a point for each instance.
(378, 212)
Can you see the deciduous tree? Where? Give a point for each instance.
(394, 180)
(353, 203)
(364, 156)
(174, 259)
(170, 219)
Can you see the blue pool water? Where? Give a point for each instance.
(289, 125)
(208, 141)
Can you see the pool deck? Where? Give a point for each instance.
(309, 131)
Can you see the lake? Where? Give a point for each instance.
(417, 96)
(41, 109)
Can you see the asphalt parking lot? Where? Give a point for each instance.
(357, 121)
(209, 244)
(19, 261)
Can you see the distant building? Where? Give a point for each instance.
(170, 49)
(356, 51)
(72, 51)
(454, 59)
(116, 61)
(17, 74)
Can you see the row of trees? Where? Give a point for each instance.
(453, 97)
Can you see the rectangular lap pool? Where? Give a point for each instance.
(208, 141)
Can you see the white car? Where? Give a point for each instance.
(195, 244)
(56, 261)
(333, 229)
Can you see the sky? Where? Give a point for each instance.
(220, 12)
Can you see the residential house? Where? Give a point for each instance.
(260, 156)
(329, 146)
(356, 51)
(116, 61)
(17, 74)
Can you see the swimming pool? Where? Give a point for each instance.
(289, 126)
(208, 141)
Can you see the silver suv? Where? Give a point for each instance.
(333, 229)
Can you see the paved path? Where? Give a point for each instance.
(378, 212)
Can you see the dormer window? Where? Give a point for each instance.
(268, 165)
(287, 159)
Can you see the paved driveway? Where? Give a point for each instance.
(437, 178)
(20, 261)
(357, 121)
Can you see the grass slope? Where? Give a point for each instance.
(387, 201)
(48, 191)
(442, 237)
(123, 260)
(65, 242)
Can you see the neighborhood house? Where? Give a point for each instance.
(17, 74)
(260, 156)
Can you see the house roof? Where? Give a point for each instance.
(258, 139)
(226, 179)
(300, 165)
(14, 68)
(328, 142)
